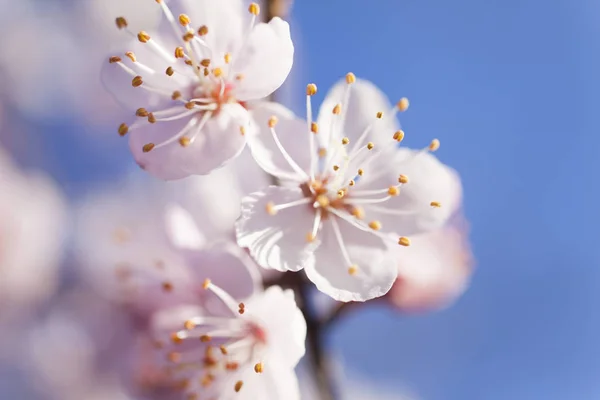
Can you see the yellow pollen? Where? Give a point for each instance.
(223, 349)
(242, 130)
(254, 9)
(205, 338)
(399, 136)
(351, 183)
(179, 52)
(270, 207)
(239, 77)
(141, 112)
(353, 269)
(345, 141)
(435, 204)
(169, 71)
(370, 145)
(434, 145)
(203, 30)
(311, 89)
(184, 19)
(379, 115)
(375, 225)
(238, 386)
(341, 193)
(123, 129)
(167, 286)
(190, 105)
(188, 36)
(403, 104)
(137, 81)
(358, 212)
(148, 147)
(176, 95)
(131, 56)
(403, 179)
(404, 241)
(151, 118)
(241, 308)
(143, 37)
(205, 63)
(337, 109)
(361, 172)
(114, 59)
(322, 152)
(310, 237)
(336, 167)
(314, 127)
(189, 325)
(227, 58)
(206, 284)
(189, 62)
(258, 368)
(184, 141)
(176, 338)
(121, 22)
(206, 73)
(323, 200)
(217, 72)
(273, 121)
(393, 191)
(350, 78)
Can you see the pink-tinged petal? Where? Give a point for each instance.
(216, 143)
(276, 241)
(365, 101)
(411, 212)
(434, 271)
(265, 60)
(292, 134)
(376, 266)
(181, 229)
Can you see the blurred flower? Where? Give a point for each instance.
(32, 230)
(190, 91)
(315, 220)
(435, 270)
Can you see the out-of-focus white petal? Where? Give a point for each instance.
(265, 60)
(182, 229)
(276, 241)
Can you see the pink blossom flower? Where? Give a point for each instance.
(348, 192)
(191, 90)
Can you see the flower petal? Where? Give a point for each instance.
(265, 60)
(365, 101)
(276, 241)
(292, 133)
(181, 229)
(275, 383)
(429, 180)
(375, 262)
(215, 144)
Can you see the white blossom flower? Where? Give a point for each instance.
(249, 353)
(191, 90)
(348, 188)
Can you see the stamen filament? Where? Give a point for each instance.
(283, 206)
(224, 297)
(286, 155)
(368, 201)
(340, 240)
(311, 136)
(180, 134)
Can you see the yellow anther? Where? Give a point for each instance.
(167, 286)
(314, 127)
(176, 338)
(206, 284)
(176, 95)
(403, 179)
(270, 208)
(184, 141)
(205, 338)
(238, 386)
(336, 167)
(137, 81)
(310, 237)
(350, 78)
(205, 63)
(323, 200)
(190, 105)
(239, 77)
(353, 269)
(203, 30)
(189, 325)
(206, 72)
(242, 130)
(188, 36)
(361, 172)
(123, 129)
(370, 145)
(121, 22)
(379, 114)
(399, 135)
(337, 110)
(223, 350)
(345, 141)
(141, 112)
(341, 193)
(148, 147)
(217, 72)
(184, 20)
(114, 59)
(435, 204)
(351, 183)
(254, 9)
(143, 36)
(322, 152)
(227, 58)
(375, 225)
(189, 62)
(179, 52)
(358, 212)
(170, 71)
(151, 118)
(393, 191)
(434, 145)
(311, 89)
(403, 104)
(241, 308)
(404, 241)
(258, 368)
(273, 121)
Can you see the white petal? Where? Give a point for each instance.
(277, 382)
(429, 180)
(365, 101)
(377, 268)
(276, 241)
(292, 133)
(265, 60)
(181, 228)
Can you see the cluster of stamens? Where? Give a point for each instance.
(208, 82)
(331, 187)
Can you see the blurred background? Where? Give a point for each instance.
(511, 89)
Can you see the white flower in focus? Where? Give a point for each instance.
(190, 83)
(348, 192)
(249, 353)
(32, 230)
